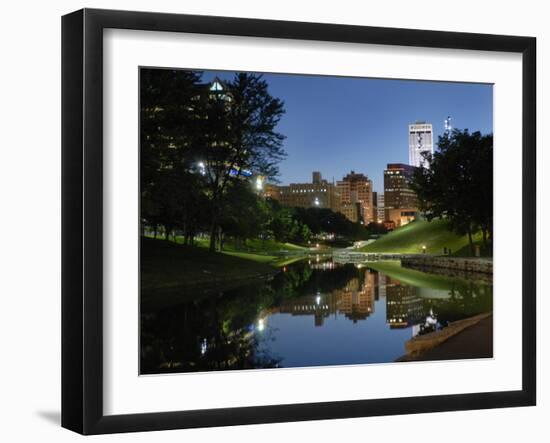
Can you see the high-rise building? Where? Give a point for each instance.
(400, 201)
(317, 178)
(356, 197)
(420, 142)
(380, 207)
(374, 206)
(271, 191)
(317, 194)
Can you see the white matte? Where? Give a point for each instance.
(126, 392)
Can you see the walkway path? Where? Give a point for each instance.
(474, 342)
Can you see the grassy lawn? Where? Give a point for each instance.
(410, 238)
(411, 276)
(260, 258)
(261, 251)
(253, 246)
(168, 265)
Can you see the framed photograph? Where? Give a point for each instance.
(269, 221)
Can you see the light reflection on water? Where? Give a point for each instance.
(314, 314)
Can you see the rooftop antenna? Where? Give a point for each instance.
(448, 126)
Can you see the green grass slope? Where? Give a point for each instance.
(410, 238)
(252, 246)
(167, 265)
(412, 277)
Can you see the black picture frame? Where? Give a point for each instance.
(82, 218)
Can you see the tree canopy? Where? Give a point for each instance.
(198, 144)
(458, 184)
(202, 145)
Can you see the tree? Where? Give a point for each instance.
(376, 228)
(458, 185)
(168, 148)
(239, 137)
(243, 214)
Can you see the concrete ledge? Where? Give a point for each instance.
(421, 343)
(477, 265)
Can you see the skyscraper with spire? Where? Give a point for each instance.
(420, 142)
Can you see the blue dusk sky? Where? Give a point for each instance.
(336, 124)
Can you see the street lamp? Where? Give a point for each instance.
(259, 183)
(202, 168)
(316, 202)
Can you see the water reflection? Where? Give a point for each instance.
(318, 313)
(355, 301)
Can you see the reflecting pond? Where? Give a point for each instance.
(313, 313)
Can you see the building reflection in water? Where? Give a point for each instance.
(355, 301)
(404, 308)
(240, 329)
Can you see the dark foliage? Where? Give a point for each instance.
(458, 185)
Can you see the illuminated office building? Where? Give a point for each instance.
(400, 201)
(420, 143)
(356, 197)
(317, 194)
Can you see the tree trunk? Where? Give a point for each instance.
(470, 240)
(484, 230)
(166, 233)
(213, 235)
(219, 238)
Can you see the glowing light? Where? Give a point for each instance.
(259, 183)
(204, 346)
(261, 324)
(216, 87)
(318, 300)
(316, 202)
(202, 168)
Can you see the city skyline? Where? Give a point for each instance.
(366, 121)
(321, 268)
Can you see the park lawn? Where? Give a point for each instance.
(259, 258)
(166, 265)
(261, 251)
(410, 238)
(285, 261)
(276, 261)
(264, 246)
(251, 246)
(412, 277)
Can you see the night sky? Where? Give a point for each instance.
(336, 124)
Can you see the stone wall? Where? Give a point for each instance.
(422, 343)
(466, 265)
